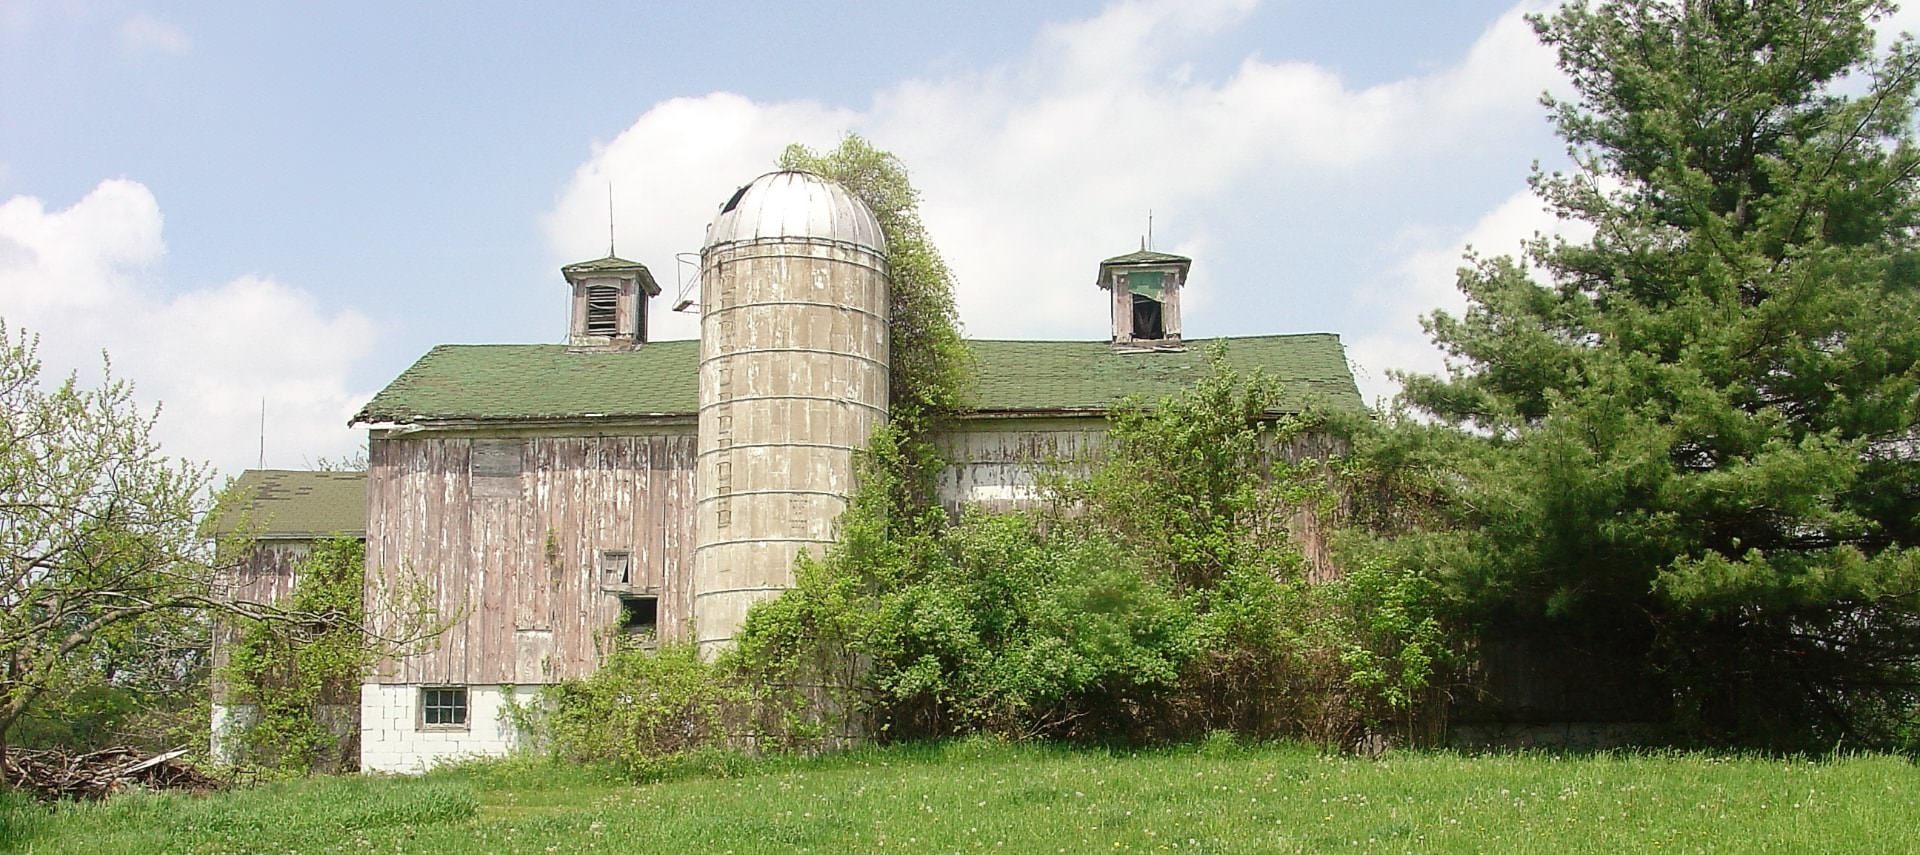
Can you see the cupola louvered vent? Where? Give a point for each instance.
(603, 310)
(608, 304)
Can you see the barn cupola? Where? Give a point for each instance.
(609, 303)
(1145, 290)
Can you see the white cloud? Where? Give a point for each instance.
(1424, 279)
(146, 34)
(86, 279)
(1032, 171)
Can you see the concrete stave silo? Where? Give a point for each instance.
(793, 381)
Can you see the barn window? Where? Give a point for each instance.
(443, 708)
(1147, 318)
(603, 310)
(639, 613)
(616, 569)
(640, 616)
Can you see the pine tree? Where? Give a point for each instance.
(1698, 428)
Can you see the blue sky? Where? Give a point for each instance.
(294, 201)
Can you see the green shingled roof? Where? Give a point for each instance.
(540, 381)
(611, 262)
(1020, 376)
(289, 503)
(1146, 256)
(512, 382)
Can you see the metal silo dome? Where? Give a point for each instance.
(791, 204)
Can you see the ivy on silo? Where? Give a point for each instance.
(932, 367)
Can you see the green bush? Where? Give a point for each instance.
(1160, 594)
(650, 713)
(291, 668)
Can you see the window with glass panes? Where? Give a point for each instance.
(443, 707)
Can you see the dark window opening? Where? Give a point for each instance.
(1146, 317)
(640, 615)
(603, 312)
(734, 202)
(446, 707)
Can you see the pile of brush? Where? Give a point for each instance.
(53, 774)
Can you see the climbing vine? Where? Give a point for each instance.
(294, 674)
(932, 368)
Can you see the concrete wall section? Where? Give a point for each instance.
(393, 740)
(224, 735)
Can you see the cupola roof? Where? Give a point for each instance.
(612, 265)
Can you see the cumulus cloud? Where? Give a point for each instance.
(145, 34)
(1033, 170)
(86, 279)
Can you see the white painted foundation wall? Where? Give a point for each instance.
(228, 721)
(392, 740)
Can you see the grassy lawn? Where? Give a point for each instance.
(980, 796)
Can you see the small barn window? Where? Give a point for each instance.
(616, 569)
(603, 310)
(1149, 289)
(1147, 318)
(640, 616)
(443, 708)
(495, 458)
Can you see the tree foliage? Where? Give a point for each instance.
(98, 539)
(1698, 427)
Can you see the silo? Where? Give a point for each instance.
(793, 380)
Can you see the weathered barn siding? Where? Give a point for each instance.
(992, 463)
(508, 532)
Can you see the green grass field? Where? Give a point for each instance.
(974, 796)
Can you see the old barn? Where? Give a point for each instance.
(606, 488)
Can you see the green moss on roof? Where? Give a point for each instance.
(1147, 256)
(514, 382)
(540, 381)
(290, 503)
(611, 262)
(1020, 376)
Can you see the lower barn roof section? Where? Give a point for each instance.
(279, 504)
(515, 382)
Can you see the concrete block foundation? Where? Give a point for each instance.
(393, 738)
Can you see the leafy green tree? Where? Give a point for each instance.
(98, 538)
(1698, 428)
(108, 587)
